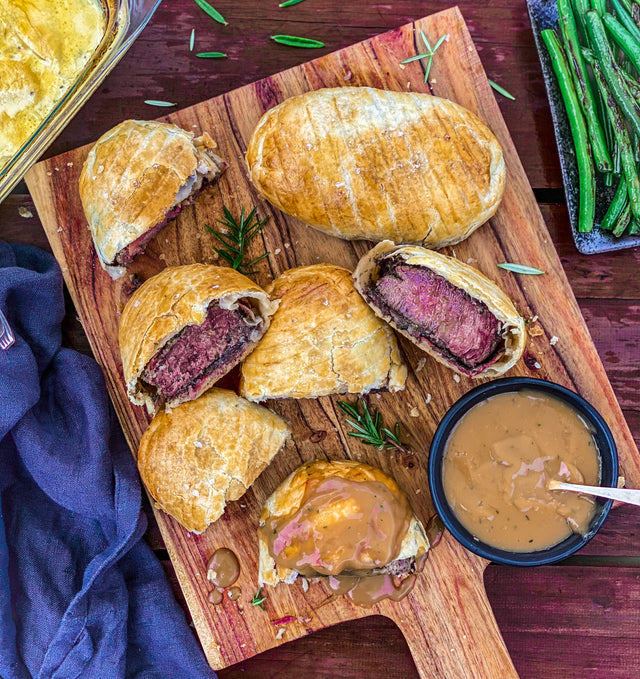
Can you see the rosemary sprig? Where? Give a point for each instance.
(236, 238)
(368, 427)
(297, 41)
(211, 11)
(520, 268)
(429, 54)
(500, 90)
(258, 599)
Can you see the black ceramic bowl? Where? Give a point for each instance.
(608, 461)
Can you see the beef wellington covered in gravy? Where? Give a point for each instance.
(346, 521)
(185, 328)
(449, 309)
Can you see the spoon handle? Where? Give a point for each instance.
(628, 495)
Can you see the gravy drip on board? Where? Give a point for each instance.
(345, 529)
(223, 570)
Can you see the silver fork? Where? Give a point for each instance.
(6, 335)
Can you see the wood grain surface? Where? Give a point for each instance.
(148, 267)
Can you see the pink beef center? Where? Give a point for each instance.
(432, 309)
(126, 255)
(199, 352)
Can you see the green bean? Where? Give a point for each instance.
(615, 209)
(611, 70)
(622, 136)
(599, 6)
(624, 17)
(634, 227)
(580, 8)
(623, 39)
(582, 85)
(586, 208)
(632, 84)
(623, 222)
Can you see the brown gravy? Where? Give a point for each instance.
(344, 529)
(499, 459)
(223, 568)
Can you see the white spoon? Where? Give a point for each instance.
(628, 495)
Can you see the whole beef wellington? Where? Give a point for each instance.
(185, 328)
(137, 178)
(449, 309)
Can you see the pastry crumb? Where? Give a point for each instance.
(197, 444)
(25, 212)
(414, 412)
(305, 584)
(59, 229)
(534, 319)
(402, 66)
(421, 363)
(69, 164)
(418, 491)
(536, 331)
(427, 400)
(162, 257)
(433, 81)
(553, 341)
(277, 251)
(456, 377)
(287, 245)
(280, 632)
(471, 260)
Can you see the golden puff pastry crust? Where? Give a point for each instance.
(462, 276)
(288, 497)
(135, 176)
(323, 339)
(173, 299)
(204, 453)
(359, 162)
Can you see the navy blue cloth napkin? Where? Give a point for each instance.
(81, 594)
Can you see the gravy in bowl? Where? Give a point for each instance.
(499, 459)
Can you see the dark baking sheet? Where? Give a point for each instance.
(544, 14)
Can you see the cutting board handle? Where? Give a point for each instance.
(449, 626)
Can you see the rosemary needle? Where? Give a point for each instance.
(258, 599)
(192, 39)
(289, 3)
(296, 41)
(500, 90)
(428, 55)
(520, 268)
(236, 238)
(156, 102)
(211, 11)
(211, 55)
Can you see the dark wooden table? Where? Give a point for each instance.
(579, 619)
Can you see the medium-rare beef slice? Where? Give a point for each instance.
(197, 351)
(430, 308)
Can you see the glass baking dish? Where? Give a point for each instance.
(125, 20)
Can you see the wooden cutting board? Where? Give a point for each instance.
(446, 620)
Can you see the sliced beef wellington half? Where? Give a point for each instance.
(449, 309)
(137, 178)
(185, 328)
